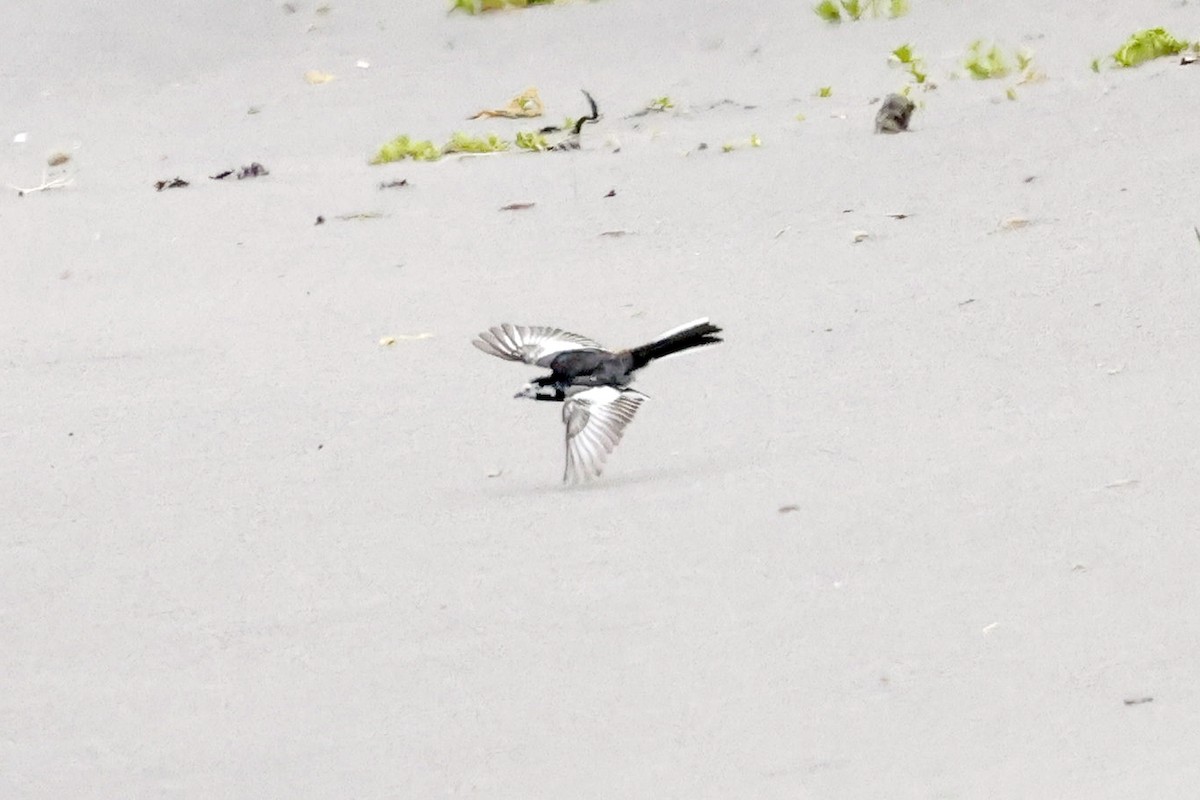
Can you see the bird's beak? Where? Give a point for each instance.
(528, 390)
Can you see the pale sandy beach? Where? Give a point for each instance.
(926, 525)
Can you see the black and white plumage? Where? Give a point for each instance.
(591, 382)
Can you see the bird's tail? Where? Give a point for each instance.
(699, 333)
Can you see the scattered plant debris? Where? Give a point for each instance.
(174, 183)
(403, 147)
(613, 193)
(728, 102)
(480, 6)
(825, 91)
(859, 236)
(894, 114)
(362, 215)
(1014, 224)
(986, 61)
(657, 105)
(788, 509)
(548, 138)
(615, 234)
(254, 170)
(388, 341)
(462, 143)
(1137, 701)
(48, 182)
(58, 159)
(569, 141)
(320, 220)
(1146, 45)
(531, 140)
(753, 141)
(904, 57)
(1189, 58)
(316, 77)
(854, 10)
(394, 184)
(517, 206)
(526, 104)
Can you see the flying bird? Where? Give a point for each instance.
(591, 382)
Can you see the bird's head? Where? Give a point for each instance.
(529, 390)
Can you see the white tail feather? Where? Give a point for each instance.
(680, 329)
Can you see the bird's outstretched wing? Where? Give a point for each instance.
(532, 344)
(595, 420)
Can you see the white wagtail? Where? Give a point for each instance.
(591, 382)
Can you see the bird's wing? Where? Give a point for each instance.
(595, 420)
(531, 344)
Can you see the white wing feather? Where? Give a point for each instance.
(532, 344)
(595, 421)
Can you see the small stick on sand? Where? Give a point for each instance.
(57, 182)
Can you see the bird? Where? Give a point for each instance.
(590, 381)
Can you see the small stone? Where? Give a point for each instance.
(894, 114)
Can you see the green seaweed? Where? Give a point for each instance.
(480, 6)
(913, 64)
(462, 143)
(854, 10)
(660, 104)
(1146, 45)
(825, 91)
(985, 61)
(403, 147)
(531, 140)
(753, 141)
(828, 11)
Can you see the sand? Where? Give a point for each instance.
(920, 528)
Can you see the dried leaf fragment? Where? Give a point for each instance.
(361, 215)
(388, 341)
(173, 183)
(1015, 223)
(316, 77)
(526, 104)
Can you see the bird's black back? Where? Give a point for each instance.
(588, 367)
